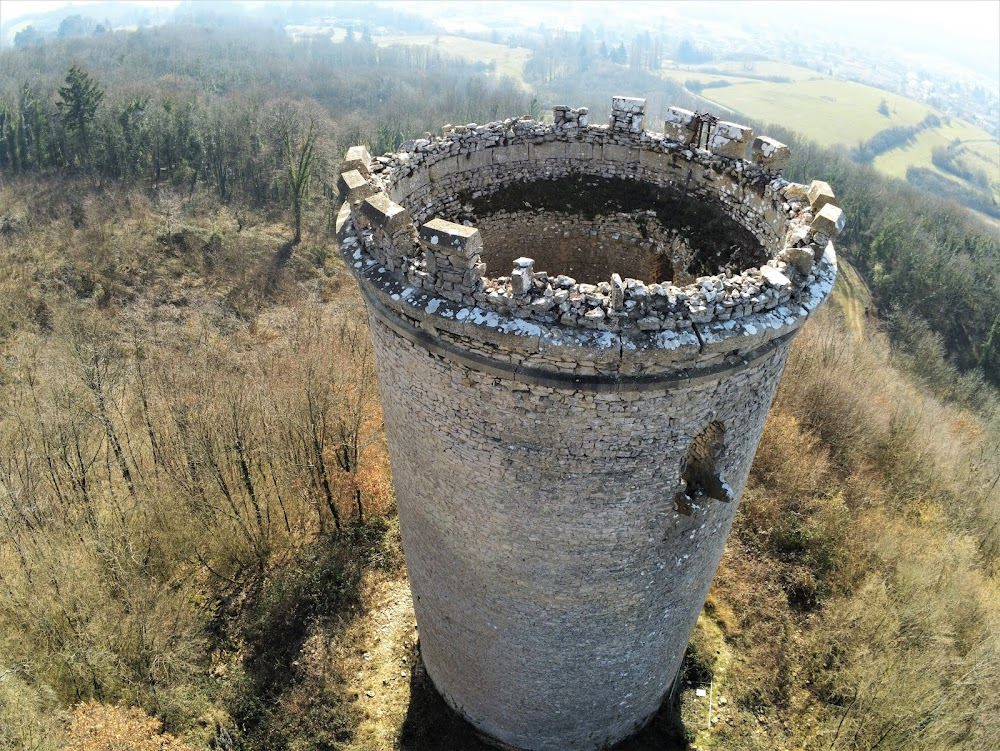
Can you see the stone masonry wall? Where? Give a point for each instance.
(555, 585)
(575, 246)
(568, 453)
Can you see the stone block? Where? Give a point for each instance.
(820, 194)
(730, 139)
(770, 154)
(443, 168)
(384, 213)
(513, 153)
(357, 158)
(613, 152)
(474, 160)
(550, 150)
(656, 161)
(629, 105)
(520, 280)
(617, 292)
(580, 150)
(830, 221)
(801, 258)
(796, 191)
(407, 186)
(676, 122)
(452, 239)
(354, 187)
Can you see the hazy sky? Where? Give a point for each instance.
(965, 30)
(11, 9)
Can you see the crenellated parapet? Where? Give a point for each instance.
(781, 262)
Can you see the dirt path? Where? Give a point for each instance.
(852, 296)
(377, 651)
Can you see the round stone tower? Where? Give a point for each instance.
(579, 330)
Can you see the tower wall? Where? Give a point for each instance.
(567, 455)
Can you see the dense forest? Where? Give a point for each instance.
(196, 512)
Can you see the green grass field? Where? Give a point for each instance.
(833, 111)
(757, 69)
(985, 153)
(509, 60)
(826, 109)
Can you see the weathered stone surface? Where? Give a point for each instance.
(800, 258)
(830, 220)
(730, 139)
(613, 152)
(820, 194)
(770, 154)
(627, 114)
(456, 238)
(512, 153)
(387, 214)
(357, 158)
(354, 187)
(550, 150)
(676, 124)
(796, 192)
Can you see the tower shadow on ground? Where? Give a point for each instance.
(431, 725)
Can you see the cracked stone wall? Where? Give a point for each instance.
(559, 537)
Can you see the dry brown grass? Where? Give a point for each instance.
(186, 429)
(858, 593)
(100, 727)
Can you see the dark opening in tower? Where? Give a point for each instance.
(700, 474)
(589, 227)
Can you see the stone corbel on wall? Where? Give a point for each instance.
(357, 158)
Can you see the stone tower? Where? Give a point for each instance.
(579, 330)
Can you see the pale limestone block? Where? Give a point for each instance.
(475, 160)
(730, 139)
(769, 153)
(357, 158)
(612, 152)
(830, 220)
(513, 153)
(384, 213)
(628, 104)
(796, 191)
(354, 187)
(820, 194)
(550, 150)
(457, 240)
(443, 168)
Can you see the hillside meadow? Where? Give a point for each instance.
(199, 521)
(502, 60)
(833, 111)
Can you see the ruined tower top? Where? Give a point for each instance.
(686, 246)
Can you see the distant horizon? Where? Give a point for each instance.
(964, 32)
